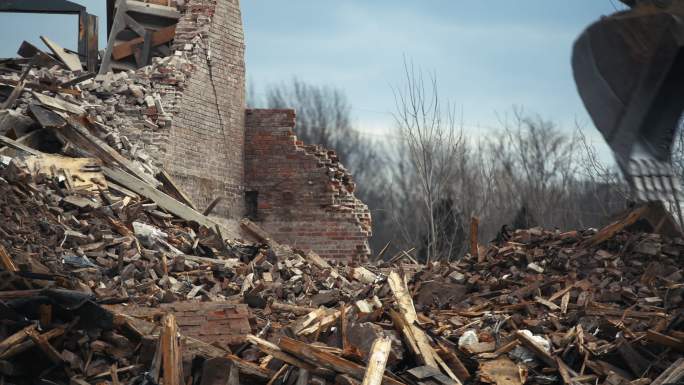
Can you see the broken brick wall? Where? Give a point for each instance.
(204, 149)
(301, 194)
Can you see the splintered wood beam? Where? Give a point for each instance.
(408, 315)
(164, 201)
(453, 361)
(260, 234)
(327, 360)
(79, 135)
(377, 361)
(275, 351)
(16, 338)
(171, 353)
(6, 260)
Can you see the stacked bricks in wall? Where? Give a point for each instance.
(206, 141)
(305, 196)
(186, 111)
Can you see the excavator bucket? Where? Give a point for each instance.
(629, 70)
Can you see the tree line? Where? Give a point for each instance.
(425, 184)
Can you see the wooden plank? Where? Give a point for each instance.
(170, 187)
(18, 146)
(327, 360)
(230, 263)
(288, 308)
(118, 25)
(6, 260)
(665, 340)
(672, 375)
(162, 200)
(45, 117)
(39, 58)
(275, 351)
(455, 363)
(161, 36)
(260, 234)
(501, 371)
(58, 104)
(631, 357)
(377, 361)
(42, 87)
(402, 296)
(171, 353)
(82, 138)
(14, 294)
(16, 338)
(72, 61)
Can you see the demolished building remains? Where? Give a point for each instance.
(126, 259)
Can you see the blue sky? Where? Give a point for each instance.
(487, 55)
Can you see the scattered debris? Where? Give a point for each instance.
(111, 275)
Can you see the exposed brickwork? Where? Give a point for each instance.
(305, 196)
(186, 111)
(205, 150)
(211, 322)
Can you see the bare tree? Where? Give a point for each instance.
(432, 142)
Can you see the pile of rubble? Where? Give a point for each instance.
(100, 250)
(542, 307)
(121, 107)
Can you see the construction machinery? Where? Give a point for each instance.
(629, 70)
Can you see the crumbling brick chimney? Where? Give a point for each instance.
(205, 143)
